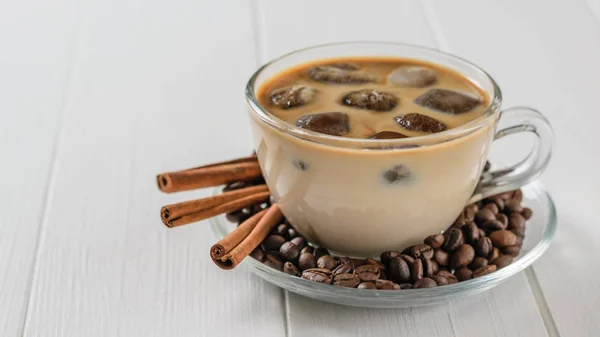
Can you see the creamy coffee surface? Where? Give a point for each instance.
(377, 98)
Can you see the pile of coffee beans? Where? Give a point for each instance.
(486, 236)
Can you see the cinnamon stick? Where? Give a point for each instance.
(205, 213)
(188, 207)
(225, 245)
(209, 175)
(270, 219)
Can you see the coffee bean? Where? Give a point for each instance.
(527, 213)
(502, 218)
(463, 274)
(494, 253)
(487, 166)
(358, 262)
(237, 216)
(512, 251)
(462, 256)
(307, 261)
(440, 280)
(291, 269)
(320, 252)
(516, 221)
(448, 276)
(470, 212)
(281, 230)
(435, 267)
(317, 275)
(434, 241)
(502, 261)
(346, 259)
(409, 259)
(490, 268)
(327, 262)
(273, 242)
(416, 270)
(483, 246)
(376, 263)
(491, 207)
(343, 268)
(258, 254)
(427, 267)
(461, 220)
(256, 208)
(367, 272)
(307, 249)
(386, 257)
(273, 262)
(492, 225)
(383, 275)
(513, 206)
(481, 233)
(367, 285)
(452, 239)
(399, 270)
(519, 242)
(346, 280)
(498, 201)
(506, 195)
(503, 238)
(445, 273)
(425, 282)
(235, 186)
(421, 250)
(406, 286)
(441, 257)
(484, 215)
(478, 262)
(518, 195)
(298, 241)
(519, 232)
(292, 233)
(471, 232)
(386, 285)
(289, 251)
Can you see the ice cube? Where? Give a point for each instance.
(422, 123)
(447, 101)
(331, 123)
(396, 174)
(335, 75)
(345, 66)
(413, 76)
(370, 99)
(292, 96)
(387, 135)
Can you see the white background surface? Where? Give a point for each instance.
(96, 97)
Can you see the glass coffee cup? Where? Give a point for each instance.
(331, 188)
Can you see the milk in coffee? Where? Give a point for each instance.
(361, 201)
(373, 98)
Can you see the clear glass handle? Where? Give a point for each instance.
(514, 120)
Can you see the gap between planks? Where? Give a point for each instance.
(260, 54)
(541, 303)
(54, 163)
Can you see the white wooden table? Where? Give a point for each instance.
(97, 96)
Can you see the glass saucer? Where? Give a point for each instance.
(540, 231)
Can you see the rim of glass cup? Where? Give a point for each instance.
(432, 293)
(486, 117)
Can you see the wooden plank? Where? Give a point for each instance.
(402, 21)
(37, 44)
(481, 315)
(549, 61)
(158, 87)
